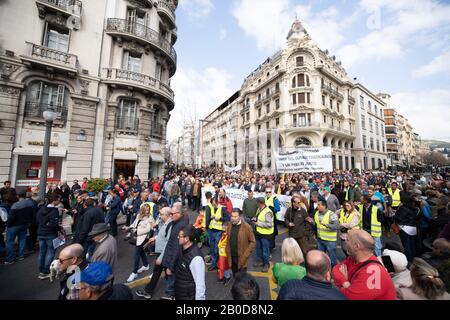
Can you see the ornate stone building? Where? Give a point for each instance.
(105, 67)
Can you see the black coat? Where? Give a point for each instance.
(406, 216)
(22, 213)
(48, 222)
(85, 223)
(118, 292)
(173, 248)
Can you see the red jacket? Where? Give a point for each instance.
(226, 202)
(371, 282)
(156, 187)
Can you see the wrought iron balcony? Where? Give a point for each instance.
(127, 124)
(68, 7)
(167, 11)
(331, 91)
(137, 31)
(34, 111)
(142, 81)
(51, 59)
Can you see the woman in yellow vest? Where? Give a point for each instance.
(349, 219)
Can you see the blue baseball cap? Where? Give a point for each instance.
(97, 273)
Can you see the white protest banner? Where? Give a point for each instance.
(305, 160)
(237, 197)
(232, 169)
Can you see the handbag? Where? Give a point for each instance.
(133, 239)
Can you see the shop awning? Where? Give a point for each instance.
(125, 155)
(157, 157)
(54, 152)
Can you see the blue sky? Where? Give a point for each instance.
(399, 47)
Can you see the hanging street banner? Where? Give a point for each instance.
(305, 160)
(232, 169)
(237, 197)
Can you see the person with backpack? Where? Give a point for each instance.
(362, 276)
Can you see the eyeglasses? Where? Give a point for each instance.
(62, 260)
(268, 191)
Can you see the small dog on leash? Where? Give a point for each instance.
(54, 269)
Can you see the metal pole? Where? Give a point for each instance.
(44, 164)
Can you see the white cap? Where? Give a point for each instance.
(399, 260)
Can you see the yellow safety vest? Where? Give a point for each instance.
(343, 219)
(261, 217)
(323, 232)
(211, 208)
(346, 194)
(395, 197)
(375, 225)
(270, 202)
(214, 224)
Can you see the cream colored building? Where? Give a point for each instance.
(369, 148)
(105, 67)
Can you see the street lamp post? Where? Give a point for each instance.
(49, 117)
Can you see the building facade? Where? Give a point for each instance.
(104, 66)
(369, 148)
(301, 96)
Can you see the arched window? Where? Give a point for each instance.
(325, 142)
(301, 80)
(294, 82)
(302, 141)
(42, 96)
(340, 144)
(333, 143)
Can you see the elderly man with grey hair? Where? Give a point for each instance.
(71, 262)
(160, 240)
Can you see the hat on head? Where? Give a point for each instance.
(398, 259)
(327, 188)
(394, 181)
(97, 273)
(260, 200)
(98, 228)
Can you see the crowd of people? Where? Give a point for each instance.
(350, 235)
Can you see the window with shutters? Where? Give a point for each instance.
(42, 96)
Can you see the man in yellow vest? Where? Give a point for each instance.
(264, 229)
(395, 194)
(219, 215)
(327, 226)
(371, 220)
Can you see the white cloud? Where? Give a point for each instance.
(196, 8)
(393, 25)
(439, 64)
(435, 123)
(197, 93)
(222, 32)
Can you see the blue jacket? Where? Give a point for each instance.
(309, 289)
(116, 205)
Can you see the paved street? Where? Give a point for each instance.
(19, 281)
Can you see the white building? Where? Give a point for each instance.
(105, 66)
(369, 147)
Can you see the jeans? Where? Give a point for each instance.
(378, 246)
(409, 244)
(328, 247)
(11, 234)
(46, 253)
(263, 250)
(170, 285)
(214, 246)
(139, 254)
(172, 200)
(208, 239)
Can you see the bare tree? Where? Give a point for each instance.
(435, 158)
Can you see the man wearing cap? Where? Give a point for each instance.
(264, 233)
(395, 194)
(106, 245)
(97, 283)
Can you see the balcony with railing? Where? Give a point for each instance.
(65, 7)
(126, 124)
(310, 124)
(166, 11)
(138, 80)
(50, 59)
(34, 112)
(157, 130)
(332, 92)
(122, 28)
(351, 100)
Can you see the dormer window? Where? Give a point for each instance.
(299, 61)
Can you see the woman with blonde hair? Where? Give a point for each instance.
(349, 218)
(426, 283)
(290, 268)
(140, 229)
